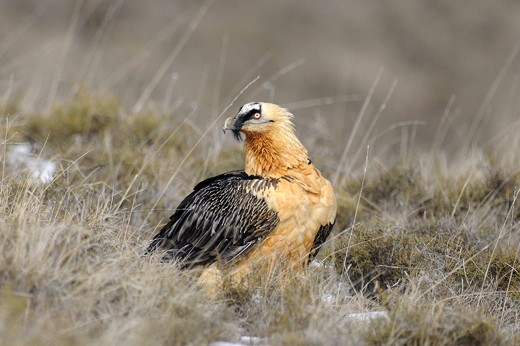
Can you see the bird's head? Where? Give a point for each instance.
(258, 118)
(271, 145)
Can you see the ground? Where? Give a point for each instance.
(434, 242)
(111, 112)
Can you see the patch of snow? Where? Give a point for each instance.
(365, 316)
(316, 264)
(328, 298)
(20, 156)
(244, 341)
(256, 297)
(252, 340)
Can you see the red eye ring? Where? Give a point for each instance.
(256, 116)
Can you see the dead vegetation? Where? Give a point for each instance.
(439, 252)
(428, 224)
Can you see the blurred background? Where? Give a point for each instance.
(421, 76)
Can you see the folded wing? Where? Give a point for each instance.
(221, 220)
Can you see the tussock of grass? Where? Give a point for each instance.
(412, 322)
(84, 114)
(438, 251)
(385, 256)
(395, 188)
(491, 186)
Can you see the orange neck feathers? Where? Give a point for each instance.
(274, 152)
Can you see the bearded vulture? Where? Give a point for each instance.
(277, 211)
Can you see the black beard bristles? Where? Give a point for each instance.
(237, 135)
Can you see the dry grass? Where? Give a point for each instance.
(428, 224)
(438, 249)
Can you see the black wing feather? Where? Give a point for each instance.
(321, 237)
(219, 220)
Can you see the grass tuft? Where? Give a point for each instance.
(414, 323)
(84, 114)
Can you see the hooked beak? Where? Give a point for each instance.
(230, 125)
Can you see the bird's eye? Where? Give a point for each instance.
(256, 116)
